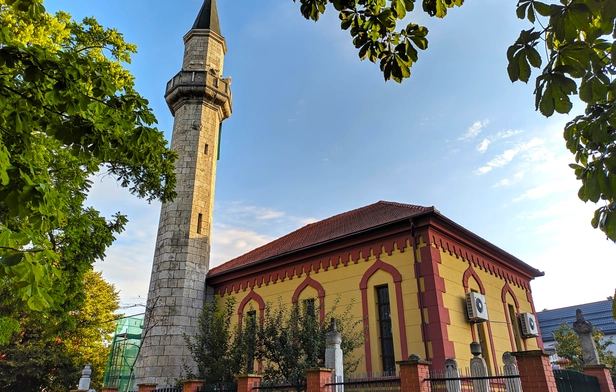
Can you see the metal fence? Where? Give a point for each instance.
(167, 389)
(365, 382)
(272, 386)
(572, 381)
(439, 382)
(218, 387)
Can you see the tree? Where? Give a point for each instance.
(287, 341)
(45, 354)
(292, 340)
(578, 37)
(568, 347)
(215, 345)
(68, 109)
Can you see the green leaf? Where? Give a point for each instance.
(11, 259)
(524, 68)
(541, 8)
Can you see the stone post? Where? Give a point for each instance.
(536, 374)
(84, 381)
(510, 368)
(413, 372)
(316, 378)
(584, 329)
(146, 387)
(246, 382)
(191, 385)
(479, 369)
(602, 372)
(333, 354)
(451, 371)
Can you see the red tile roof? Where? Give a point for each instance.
(338, 226)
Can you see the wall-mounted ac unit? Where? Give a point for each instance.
(529, 325)
(476, 308)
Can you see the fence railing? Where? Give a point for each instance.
(269, 386)
(167, 389)
(572, 381)
(365, 382)
(218, 387)
(477, 384)
(442, 381)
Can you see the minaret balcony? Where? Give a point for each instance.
(199, 85)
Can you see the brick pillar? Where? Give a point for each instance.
(536, 374)
(146, 387)
(191, 385)
(316, 379)
(412, 375)
(246, 382)
(602, 372)
(110, 389)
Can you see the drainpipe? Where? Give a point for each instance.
(419, 296)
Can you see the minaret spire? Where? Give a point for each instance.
(208, 18)
(200, 100)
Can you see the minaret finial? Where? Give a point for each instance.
(208, 17)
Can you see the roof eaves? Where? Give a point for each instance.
(268, 259)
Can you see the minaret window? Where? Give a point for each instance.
(199, 223)
(205, 149)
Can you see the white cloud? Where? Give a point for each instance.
(254, 212)
(229, 242)
(482, 170)
(474, 130)
(506, 134)
(507, 156)
(503, 182)
(483, 146)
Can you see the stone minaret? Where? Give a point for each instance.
(200, 100)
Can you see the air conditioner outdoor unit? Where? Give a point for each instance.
(476, 308)
(529, 325)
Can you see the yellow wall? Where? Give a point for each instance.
(344, 282)
(452, 269)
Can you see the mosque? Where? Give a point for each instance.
(421, 282)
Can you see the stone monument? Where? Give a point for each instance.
(333, 354)
(479, 369)
(84, 381)
(584, 329)
(510, 368)
(200, 100)
(451, 371)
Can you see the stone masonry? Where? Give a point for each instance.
(200, 100)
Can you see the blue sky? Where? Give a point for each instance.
(316, 132)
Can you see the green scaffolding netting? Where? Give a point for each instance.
(124, 350)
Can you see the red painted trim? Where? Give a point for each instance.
(379, 265)
(320, 291)
(494, 357)
(364, 313)
(446, 235)
(467, 274)
(316, 261)
(250, 296)
(432, 300)
(507, 290)
(401, 320)
(363, 286)
(240, 315)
